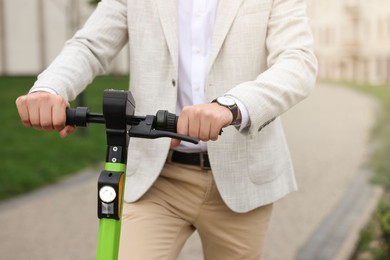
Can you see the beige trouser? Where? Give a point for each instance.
(183, 199)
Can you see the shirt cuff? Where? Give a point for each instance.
(44, 89)
(245, 121)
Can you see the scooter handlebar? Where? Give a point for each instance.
(163, 124)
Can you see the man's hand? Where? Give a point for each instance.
(203, 121)
(44, 111)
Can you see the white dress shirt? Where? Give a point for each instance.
(195, 28)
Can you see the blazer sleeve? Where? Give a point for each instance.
(292, 66)
(89, 52)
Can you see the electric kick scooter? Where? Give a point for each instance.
(121, 124)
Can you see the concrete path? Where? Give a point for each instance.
(328, 135)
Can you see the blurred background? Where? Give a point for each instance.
(352, 36)
(342, 155)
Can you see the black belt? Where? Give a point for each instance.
(198, 159)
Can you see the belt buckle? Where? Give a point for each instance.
(202, 166)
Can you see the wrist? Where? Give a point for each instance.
(230, 104)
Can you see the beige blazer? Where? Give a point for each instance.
(262, 54)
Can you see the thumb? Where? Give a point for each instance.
(175, 142)
(67, 130)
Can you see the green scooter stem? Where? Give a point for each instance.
(109, 229)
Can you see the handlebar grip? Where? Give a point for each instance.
(77, 116)
(166, 121)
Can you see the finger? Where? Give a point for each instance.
(67, 130)
(194, 123)
(182, 124)
(23, 111)
(33, 112)
(63, 133)
(211, 122)
(204, 130)
(59, 115)
(215, 132)
(45, 116)
(33, 103)
(181, 128)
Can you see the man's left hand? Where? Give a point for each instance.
(203, 122)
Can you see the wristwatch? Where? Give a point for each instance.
(229, 103)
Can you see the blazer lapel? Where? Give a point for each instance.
(168, 13)
(226, 12)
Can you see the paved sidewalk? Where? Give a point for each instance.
(328, 136)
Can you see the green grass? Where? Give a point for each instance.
(31, 159)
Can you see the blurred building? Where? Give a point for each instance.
(352, 39)
(33, 32)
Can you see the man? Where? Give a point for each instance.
(217, 63)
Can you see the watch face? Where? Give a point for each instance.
(226, 101)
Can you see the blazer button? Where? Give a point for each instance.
(173, 82)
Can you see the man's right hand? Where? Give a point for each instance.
(44, 111)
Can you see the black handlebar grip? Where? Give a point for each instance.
(166, 121)
(77, 116)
